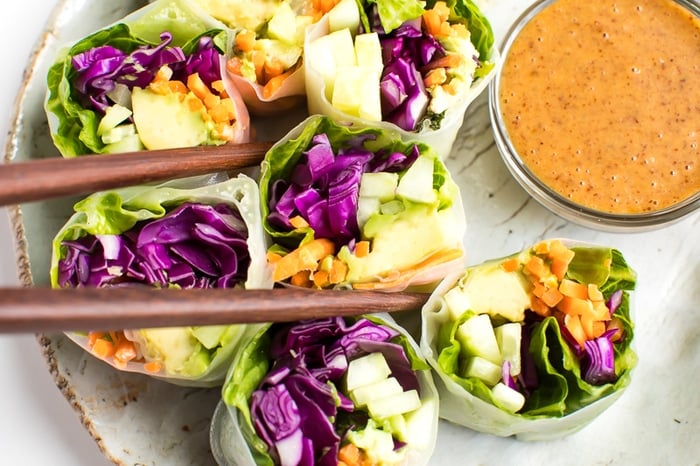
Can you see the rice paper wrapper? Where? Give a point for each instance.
(228, 441)
(425, 247)
(576, 402)
(441, 139)
(282, 95)
(115, 212)
(74, 124)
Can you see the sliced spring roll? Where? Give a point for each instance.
(359, 207)
(536, 344)
(179, 234)
(327, 392)
(154, 80)
(412, 66)
(265, 60)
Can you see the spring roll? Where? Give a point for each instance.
(327, 392)
(154, 80)
(191, 233)
(359, 208)
(534, 345)
(412, 66)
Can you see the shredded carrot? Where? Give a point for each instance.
(305, 257)
(350, 455)
(362, 248)
(93, 337)
(219, 87)
(258, 59)
(164, 73)
(321, 279)
(431, 22)
(574, 306)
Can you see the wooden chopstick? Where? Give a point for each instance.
(32, 310)
(54, 177)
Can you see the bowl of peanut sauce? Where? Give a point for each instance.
(596, 110)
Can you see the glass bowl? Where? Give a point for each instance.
(557, 201)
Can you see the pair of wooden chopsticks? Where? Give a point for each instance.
(46, 310)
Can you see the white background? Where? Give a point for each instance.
(37, 426)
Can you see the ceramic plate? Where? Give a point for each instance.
(137, 420)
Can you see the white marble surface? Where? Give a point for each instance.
(39, 427)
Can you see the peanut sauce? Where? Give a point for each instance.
(601, 100)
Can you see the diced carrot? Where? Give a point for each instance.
(301, 278)
(321, 279)
(273, 257)
(574, 306)
(349, 454)
(431, 22)
(541, 248)
(338, 271)
(93, 337)
(211, 100)
(219, 87)
(559, 268)
(164, 73)
(305, 257)
(153, 366)
(234, 66)
(160, 87)
(258, 59)
(510, 265)
(445, 30)
(539, 307)
(573, 289)
(460, 30)
(272, 67)
(594, 293)
(442, 10)
(195, 105)
(103, 348)
(551, 297)
(177, 87)
(573, 325)
(199, 88)
(600, 311)
(223, 131)
(272, 85)
(361, 248)
(221, 112)
(435, 77)
(536, 266)
(125, 350)
(615, 324)
(592, 328)
(298, 222)
(538, 289)
(245, 40)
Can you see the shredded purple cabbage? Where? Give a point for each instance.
(99, 69)
(404, 52)
(310, 360)
(324, 187)
(598, 363)
(193, 246)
